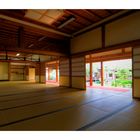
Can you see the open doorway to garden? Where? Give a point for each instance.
(118, 73)
(111, 70)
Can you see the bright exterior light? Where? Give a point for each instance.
(17, 54)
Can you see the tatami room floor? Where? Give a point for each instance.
(29, 106)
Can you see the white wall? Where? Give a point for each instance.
(3, 70)
(88, 41)
(123, 30)
(120, 31)
(31, 74)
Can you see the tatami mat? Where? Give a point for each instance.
(46, 107)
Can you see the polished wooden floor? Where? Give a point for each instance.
(29, 106)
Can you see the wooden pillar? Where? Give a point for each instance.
(56, 72)
(70, 71)
(9, 71)
(102, 74)
(48, 73)
(90, 71)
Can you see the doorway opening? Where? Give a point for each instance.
(52, 72)
(118, 73)
(32, 74)
(110, 70)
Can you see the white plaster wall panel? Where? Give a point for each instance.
(78, 66)
(3, 70)
(87, 41)
(64, 67)
(123, 30)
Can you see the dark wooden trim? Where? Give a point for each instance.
(96, 15)
(33, 51)
(110, 57)
(136, 69)
(137, 98)
(9, 71)
(18, 61)
(78, 15)
(79, 76)
(137, 54)
(70, 72)
(136, 77)
(90, 65)
(108, 11)
(136, 62)
(92, 14)
(133, 73)
(85, 71)
(56, 72)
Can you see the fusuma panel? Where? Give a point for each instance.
(136, 71)
(78, 72)
(64, 72)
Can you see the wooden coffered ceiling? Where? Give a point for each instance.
(36, 31)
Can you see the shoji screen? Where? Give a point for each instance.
(64, 72)
(136, 72)
(78, 73)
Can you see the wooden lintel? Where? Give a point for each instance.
(31, 51)
(90, 71)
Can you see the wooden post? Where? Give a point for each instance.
(48, 73)
(102, 74)
(90, 71)
(70, 72)
(56, 72)
(9, 71)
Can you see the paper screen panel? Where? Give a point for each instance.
(78, 66)
(64, 67)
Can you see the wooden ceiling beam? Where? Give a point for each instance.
(78, 15)
(109, 11)
(36, 42)
(26, 23)
(95, 14)
(32, 51)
